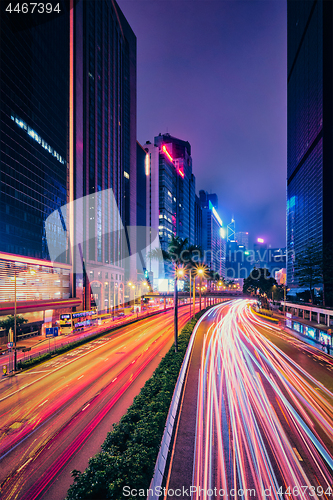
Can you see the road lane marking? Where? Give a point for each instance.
(26, 463)
(153, 319)
(114, 380)
(298, 455)
(46, 400)
(86, 407)
(80, 377)
(40, 371)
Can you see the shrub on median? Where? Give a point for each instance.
(130, 450)
(28, 363)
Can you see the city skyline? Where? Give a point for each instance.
(145, 279)
(214, 73)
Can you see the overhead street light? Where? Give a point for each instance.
(201, 272)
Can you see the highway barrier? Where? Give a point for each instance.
(129, 453)
(269, 318)
(68, 345)
(162, 458)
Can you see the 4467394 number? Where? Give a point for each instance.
(30, 8)
(310, 490)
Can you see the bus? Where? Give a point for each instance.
(74, 322)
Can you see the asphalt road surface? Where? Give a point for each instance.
(49, 413)
(263, 413)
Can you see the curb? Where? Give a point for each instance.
(162, 457)
(269, 318)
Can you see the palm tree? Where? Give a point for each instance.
(176, 247)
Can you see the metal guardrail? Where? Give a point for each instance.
(54, 344)
(19, 337)
(159, 471)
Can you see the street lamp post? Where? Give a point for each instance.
(193, 295)
(284, 302)
(15, 307)
(190, 292)
(200, 273)
(15, 353)
(175, 318)
(178, 272)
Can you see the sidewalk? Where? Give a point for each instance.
(300, 336)
(307, 340)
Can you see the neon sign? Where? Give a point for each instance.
(164, 149)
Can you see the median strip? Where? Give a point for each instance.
(129, 452)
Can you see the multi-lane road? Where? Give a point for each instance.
(263, 423)
(52, 412)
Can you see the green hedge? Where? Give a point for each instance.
(130, 450)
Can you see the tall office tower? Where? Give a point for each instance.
(176, 189)
(154, 266)
(242, 239)
(34, 114)
(141, 191)
(197, 222)
(68, 154)
(310, 130)
(103, 133)
(142, 231)
(213, 243)
(231, 231)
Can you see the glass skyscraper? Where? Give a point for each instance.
(104, 147)
(176, 189)
(310, 137)
(34, 83)
(68, 133)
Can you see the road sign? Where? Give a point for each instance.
(52, 332)
(4, 369)
(49, 332)
(10, 345)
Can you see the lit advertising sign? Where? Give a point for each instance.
(311, 332)
(324, 337)
(298, 327)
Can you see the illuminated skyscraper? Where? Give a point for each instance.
(213, 243)
(310, 125)
(176, 189)
(103, 75)
(242, 239)
(68, 131)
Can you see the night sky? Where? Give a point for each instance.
(213, 72)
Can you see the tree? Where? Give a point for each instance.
(176, 248)
(10, 320)
(259, 279)
(309, 268)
